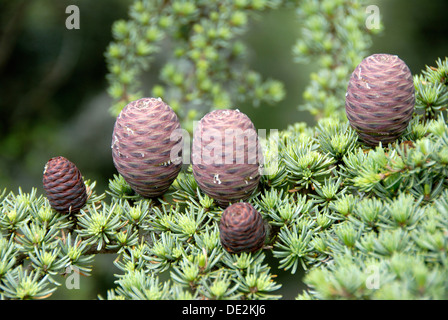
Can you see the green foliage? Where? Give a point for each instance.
(432, 93)
(205, 60)
(333, 36)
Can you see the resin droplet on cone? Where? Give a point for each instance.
(242, 228)
(64, 186)
(380, 98)
(226, 156)
(147, 146)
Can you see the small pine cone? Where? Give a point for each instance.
(226, 156)
(64, 185)
(147, 146)
(380, 98)
(242, 228)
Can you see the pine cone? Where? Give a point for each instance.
(147, 146)
(380, 98)
(242, 228)
(226, 156)
(64, 186)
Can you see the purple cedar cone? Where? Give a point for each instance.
(242, 228)
(64, 186)
(380, 98)
(147, 146)
(226, 156)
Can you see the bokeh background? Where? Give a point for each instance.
(53, 98)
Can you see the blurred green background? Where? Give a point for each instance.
(53, 98)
